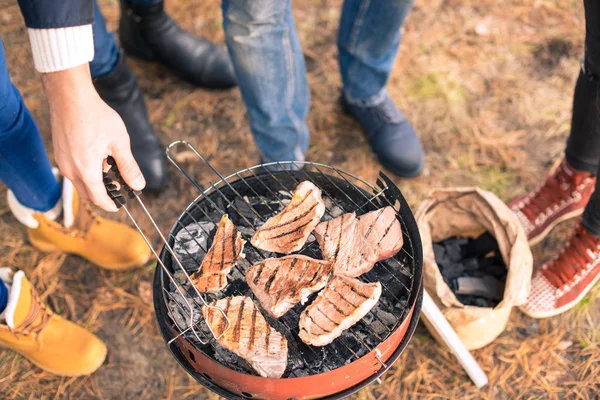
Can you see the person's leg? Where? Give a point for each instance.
(561, 283)
(24, 164)
(269, 65)
(583, 144)
(106, 51)
(146, 31)
(118, 87)
(368, 41)
(3, 296)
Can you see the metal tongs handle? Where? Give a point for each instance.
(114, 189)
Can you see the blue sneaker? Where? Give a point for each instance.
(391, 136)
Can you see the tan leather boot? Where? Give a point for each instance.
(108, 244)
(51, 342)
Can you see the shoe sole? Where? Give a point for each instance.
(542, 235)
(48, 248)
(403, 174)
(566, 307)
(82, 372)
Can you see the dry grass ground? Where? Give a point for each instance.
(488, 85)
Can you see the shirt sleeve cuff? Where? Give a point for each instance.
(61, 48)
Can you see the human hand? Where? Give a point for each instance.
(85, 131)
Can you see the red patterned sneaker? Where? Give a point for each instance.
(559, 284)
(563, 196)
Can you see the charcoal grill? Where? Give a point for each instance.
(251, 196)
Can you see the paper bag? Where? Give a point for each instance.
(471, 212)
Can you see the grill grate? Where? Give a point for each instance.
(250, 197)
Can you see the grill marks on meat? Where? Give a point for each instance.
(354, 245)
(221, 258)
(340, 240)
(248, 335)
(344, 302)
(382, 230)
(287, 232)
(280, 283)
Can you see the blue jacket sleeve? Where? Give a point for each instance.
(51, 14)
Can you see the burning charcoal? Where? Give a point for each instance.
(387, 318)
(244, 230)
(333, 211)
(301, 372)
(241, 208)
(180, 277)
(294, 362)
(284, 194)
(191, 244)
(488, 287)
(265, 210)
(481, 246)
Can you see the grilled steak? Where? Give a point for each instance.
(382, 230)
(287, 232)
(341, 243)
(249, 335)
(280, 283)
(221, 257)
(344, 302)
(354, 245)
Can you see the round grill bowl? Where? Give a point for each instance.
(346, 378)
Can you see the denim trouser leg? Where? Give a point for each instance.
(269, 65)
(368, 40)
(106, 51)
(24, 164)
(3, 296)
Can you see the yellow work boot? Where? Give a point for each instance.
(108, 244)
(54, 344)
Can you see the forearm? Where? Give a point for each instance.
(68, 87)
(60, 32)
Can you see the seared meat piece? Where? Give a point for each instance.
(280, 283)
(382, 230)
(341, 243)
(287, 232)
(221, 257)
(248, 335)
(344, 302)
(354, 245)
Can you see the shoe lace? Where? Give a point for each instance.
(552, 192)
(583, 248)
(38, 309)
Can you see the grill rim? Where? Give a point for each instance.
(414, 298)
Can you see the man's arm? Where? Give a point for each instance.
(85, 130)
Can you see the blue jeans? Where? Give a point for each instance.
(269, 64)
(24, 165)
(106, 51)
(3, 295)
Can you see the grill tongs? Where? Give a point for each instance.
(115, 185)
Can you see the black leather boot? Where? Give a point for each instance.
(147, 32)
(121, 92)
